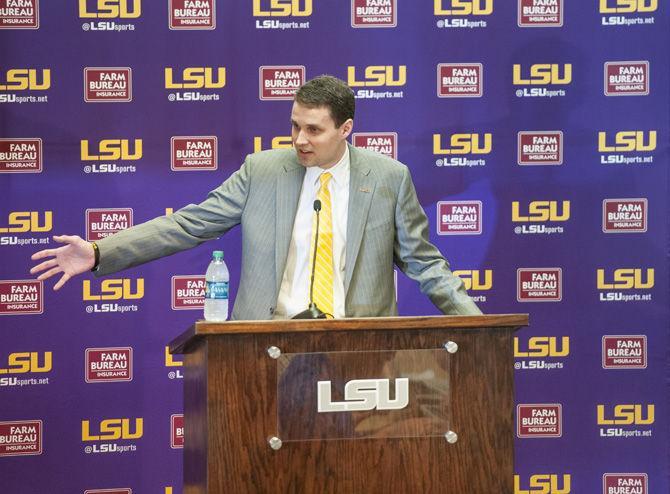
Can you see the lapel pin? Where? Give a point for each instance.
(364, 189)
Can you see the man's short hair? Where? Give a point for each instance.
(330, 92)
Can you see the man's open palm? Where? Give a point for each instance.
(75, 257)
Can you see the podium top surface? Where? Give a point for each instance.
(205, 328)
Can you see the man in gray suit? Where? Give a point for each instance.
(376, 221)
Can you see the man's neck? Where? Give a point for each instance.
(341, 154)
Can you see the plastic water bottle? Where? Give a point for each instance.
(216, 291)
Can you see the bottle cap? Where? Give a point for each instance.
(217, 254)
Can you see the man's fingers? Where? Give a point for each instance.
(46, 264)
(62, 281)
(65, 239)
(49, 273)
(43, 253)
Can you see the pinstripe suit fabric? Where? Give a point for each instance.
(262, 197)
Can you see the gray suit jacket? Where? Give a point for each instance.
(386, 225)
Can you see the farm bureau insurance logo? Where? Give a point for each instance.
(205, 79)
(19, 14)
(22, 363)
(538, 216)
(548, 75)
(536, 351)
(108, 84)
(547, 483)
(625, 483)
(460, 80)
(615, 284)
(106, 433)
(540, 13)
(462, 150)
(459, 217)
(21, 438)
(277, 82)
(177, 431)
(109, 295)
(627, 12)
(625, 215)
(539, 284)
(374, 13)
(627, 78)
(540, 147)
(108, 155)
(26, 222)
(633, 420)
(14, 82)
(192, 14)
(109, 364)
(539, 420)
(101, 223)
(617, 149)
(188, 292)
(297, 10)
(101, 13)
(21, 297)
(377, 76)
(193, 153)
(120, 490)
(21, 155)
(476, 280)
(460, 13)
(624, 351)
(385, 143)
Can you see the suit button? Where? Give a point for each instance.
(272, 310)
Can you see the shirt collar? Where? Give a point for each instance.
(339, 171)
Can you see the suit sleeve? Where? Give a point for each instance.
(419, 259)
(184, 229)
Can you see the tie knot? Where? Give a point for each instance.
(325, 178)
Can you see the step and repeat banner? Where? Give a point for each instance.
(537, 135)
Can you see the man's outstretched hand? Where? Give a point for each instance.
(75, 257)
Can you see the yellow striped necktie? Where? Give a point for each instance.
(323, 268)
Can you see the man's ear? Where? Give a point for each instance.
(346, 128)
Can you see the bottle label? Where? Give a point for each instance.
(217, 290)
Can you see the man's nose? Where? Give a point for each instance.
(300, 138)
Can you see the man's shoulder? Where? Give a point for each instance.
(380, 164)
(271, 159)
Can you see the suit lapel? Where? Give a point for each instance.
(361, 189)
(287, 194)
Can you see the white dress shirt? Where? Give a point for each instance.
(294, 292)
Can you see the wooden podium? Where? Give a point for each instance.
(370, 405)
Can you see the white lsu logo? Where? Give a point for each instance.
(364, 394)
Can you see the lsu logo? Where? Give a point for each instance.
(543, 484)
(115, 290)
(542, 74)
(112, 429)
(112, 150)
(628, 6)
(626, 279)
(196, 78)
(463, 144)
(364, 394)
(28, 362)
(378, 75)
(543, 346)
(26, 80)
(282, 8)
(28, 221)
(278, 142)
(110, 9)
(463, 7)
(169, 360)
(627, 141)
(628, 414)
(473, 279)
(541, 211)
